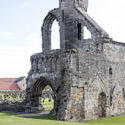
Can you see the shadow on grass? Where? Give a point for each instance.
(43, 117)
(7, 114)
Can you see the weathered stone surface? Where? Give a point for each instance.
(87, 75)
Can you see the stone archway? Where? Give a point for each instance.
(46, 29)
(36, 92)
(102, 105)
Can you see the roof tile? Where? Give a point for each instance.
(8, 84)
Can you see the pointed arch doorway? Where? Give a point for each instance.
(102, 105)
(43, 94)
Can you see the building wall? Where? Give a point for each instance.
(114, 54)
(22, 83)
(89, 83)
(89, 75)
(86, 75)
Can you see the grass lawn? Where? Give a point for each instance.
(13, 119)
(47, 105)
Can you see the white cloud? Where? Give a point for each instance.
(109, 14)
(7, 35)
(33, 37)
(15, 60)
(24, 4)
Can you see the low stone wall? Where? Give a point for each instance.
(12, 97)
(12, 101)
(15, 101)
(12, 107)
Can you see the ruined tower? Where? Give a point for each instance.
(72, 18)
(86, 75)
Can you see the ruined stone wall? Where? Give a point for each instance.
(45, 65)
(22, 83)
(79, 101)
(114, 54)
(45, 70)
(12, 101)
(88, 83)
(70, 4)
(12, 96)
(89, 75)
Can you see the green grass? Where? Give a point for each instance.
(47, 105)
(13, 119)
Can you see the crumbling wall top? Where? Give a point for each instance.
(70, 4)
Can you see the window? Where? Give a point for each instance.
(79, 31)
(110, 71)
(111, 100)
(55, 36)
(87, 33)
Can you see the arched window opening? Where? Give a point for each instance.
(79, 26)
(43, 96)
(55, 36)
(47, 99)
(87, 33)
(110, 71)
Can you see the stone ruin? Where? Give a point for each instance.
(12, 100)
(87, 76)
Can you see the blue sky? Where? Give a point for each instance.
(21, 21)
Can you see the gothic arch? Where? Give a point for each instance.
(36, 91)
(46, 28)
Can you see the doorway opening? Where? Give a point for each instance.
(102, 105)
(47, 99)
(43, 97)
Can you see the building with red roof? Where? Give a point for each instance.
(12, 84)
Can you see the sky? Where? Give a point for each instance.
(20, 29)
